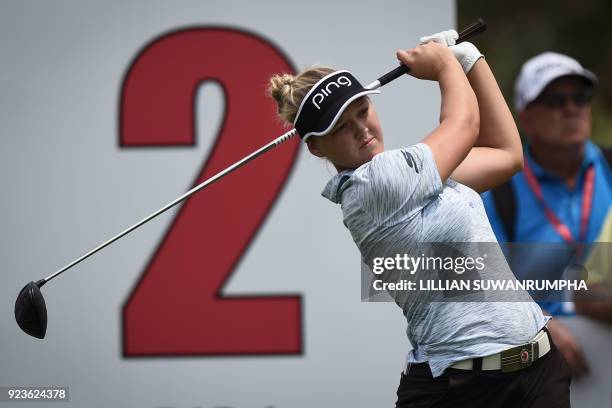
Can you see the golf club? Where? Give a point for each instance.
(30, 308)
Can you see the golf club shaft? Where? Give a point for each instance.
(281, 139)
(470, 31)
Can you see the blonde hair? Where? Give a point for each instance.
(289, 90)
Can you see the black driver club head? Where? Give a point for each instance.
(31, 311)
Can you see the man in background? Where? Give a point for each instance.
(565, 189)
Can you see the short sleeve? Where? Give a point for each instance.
(401, 181)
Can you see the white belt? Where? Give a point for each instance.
(513, 359)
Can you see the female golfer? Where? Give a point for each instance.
(465, 354)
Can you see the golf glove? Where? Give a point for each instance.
(466, 53)
(448, 38)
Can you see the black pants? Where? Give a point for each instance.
(543, 384)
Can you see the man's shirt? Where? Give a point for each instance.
(532, 225)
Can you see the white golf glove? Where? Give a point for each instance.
(466, 53)
(448, 38)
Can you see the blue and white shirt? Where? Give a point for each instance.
(398, 198)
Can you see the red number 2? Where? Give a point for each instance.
(176, 308)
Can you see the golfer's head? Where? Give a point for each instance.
(332, 114)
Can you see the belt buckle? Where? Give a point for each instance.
(519, 357)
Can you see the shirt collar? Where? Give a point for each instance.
(333, 189)
(590, 155)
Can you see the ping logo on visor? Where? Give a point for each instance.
(318, 98)
(326, 101)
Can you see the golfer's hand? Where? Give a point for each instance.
(466, 53)
(428, 61)
(448, 38)
(569, 348)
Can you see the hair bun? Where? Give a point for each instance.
(280, 87)
(289, 90)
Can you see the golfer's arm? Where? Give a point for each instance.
(497, 153)
(453, 139)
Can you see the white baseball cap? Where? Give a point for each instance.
(541, 70)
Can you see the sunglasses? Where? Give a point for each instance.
(559, 100)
